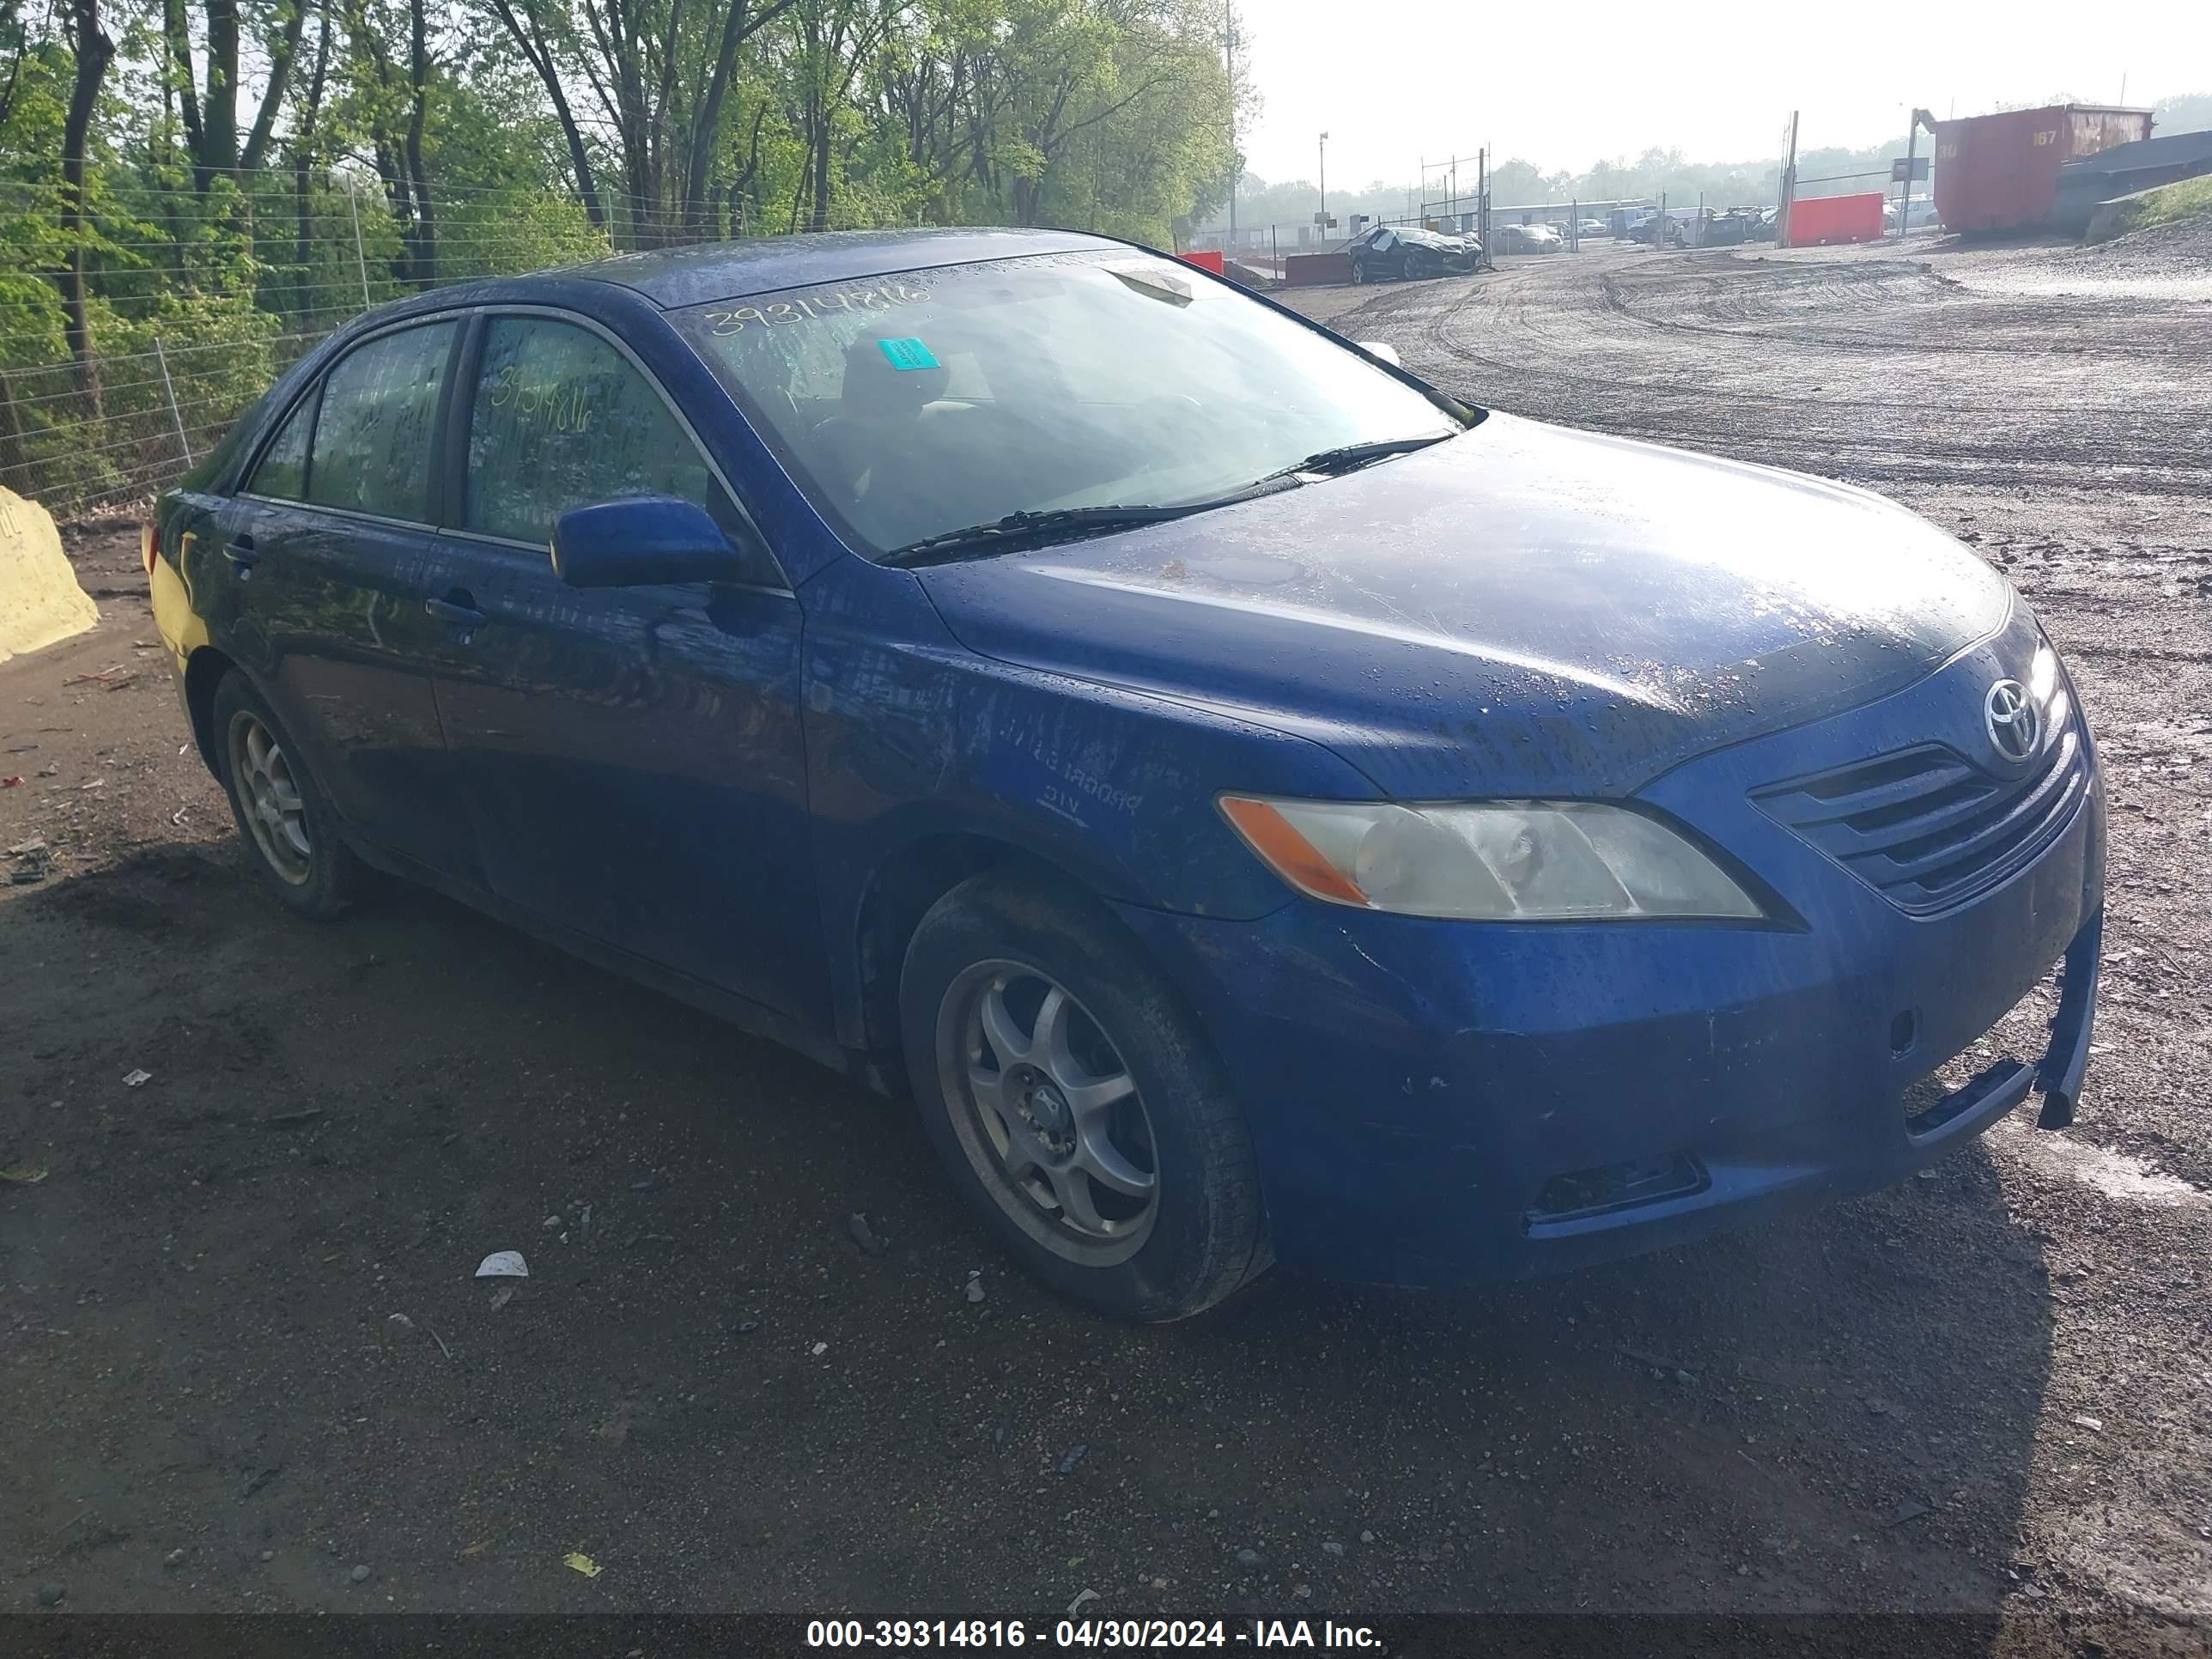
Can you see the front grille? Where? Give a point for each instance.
(1927, 829)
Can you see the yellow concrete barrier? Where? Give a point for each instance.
(40, 599)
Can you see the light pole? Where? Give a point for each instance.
(1324, 186)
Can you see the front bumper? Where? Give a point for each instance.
(1434, 1102)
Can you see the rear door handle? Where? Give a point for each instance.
(458, 607)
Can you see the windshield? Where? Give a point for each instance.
(909, 406)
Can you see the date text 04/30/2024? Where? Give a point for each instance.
(1090, 1633)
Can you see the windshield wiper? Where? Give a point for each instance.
(1028, 528)
(1350, 457)
(1024, 528)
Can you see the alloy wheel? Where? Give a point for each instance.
(1048, 1112)
(269, 798)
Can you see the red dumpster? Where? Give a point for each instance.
(2000, 172)
(1205, 259)
(1821, 221)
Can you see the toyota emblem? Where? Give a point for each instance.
(2014, 722)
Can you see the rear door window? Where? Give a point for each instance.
(372, 444)
(560, 419)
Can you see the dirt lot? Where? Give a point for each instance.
(1988, 1391)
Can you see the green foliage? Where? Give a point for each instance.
(2169, 204)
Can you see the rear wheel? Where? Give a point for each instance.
(1359, 270)
(1077, 1109)
(280, 811)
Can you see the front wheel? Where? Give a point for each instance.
(1076, 1106)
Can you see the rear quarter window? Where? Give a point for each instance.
(282, 471)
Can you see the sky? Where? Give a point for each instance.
(1568, 84)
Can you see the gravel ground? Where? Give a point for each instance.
(242, 1357)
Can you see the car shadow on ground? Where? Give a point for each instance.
(242, 1323)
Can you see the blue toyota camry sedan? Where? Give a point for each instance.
(1258, 806)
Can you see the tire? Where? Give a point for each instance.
(1359, 270)
(1189, 1228)
(282, 813)
(1417, 270)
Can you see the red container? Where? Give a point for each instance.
(1205, 259)
(1823, 220)
(2000, 172)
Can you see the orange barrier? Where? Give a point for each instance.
(1823, 220)
(1206, 259)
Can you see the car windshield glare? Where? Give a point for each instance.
(909, 406)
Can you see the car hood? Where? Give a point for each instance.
(1521, 609)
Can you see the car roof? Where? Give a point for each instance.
(673, 277)
(722, 270)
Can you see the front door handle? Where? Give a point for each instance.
(458, 607)
(240, 551)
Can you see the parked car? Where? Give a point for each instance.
(1645, 227)
(1259, 807)
(1407, 251)
(1526, 238)
(1591, 227)
(1727, 229)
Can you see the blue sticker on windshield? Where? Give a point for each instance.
(907, 353)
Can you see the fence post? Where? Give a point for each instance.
(360, 260)
(12, 457)
(170, 392)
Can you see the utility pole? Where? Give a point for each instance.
(1482, 205)
(1904, 194)
(1789, 187)
(1324, 187)
(1233, 165)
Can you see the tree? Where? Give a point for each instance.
(94, 52)
(527, 23)
(662, 74)
(211, 114)
(398, 77)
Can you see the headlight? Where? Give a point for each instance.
(1501, 860)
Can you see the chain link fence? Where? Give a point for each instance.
(200, 298)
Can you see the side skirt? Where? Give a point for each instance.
(746, 1015)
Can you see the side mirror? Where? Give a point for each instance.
(1381, 348)
(643, 539)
